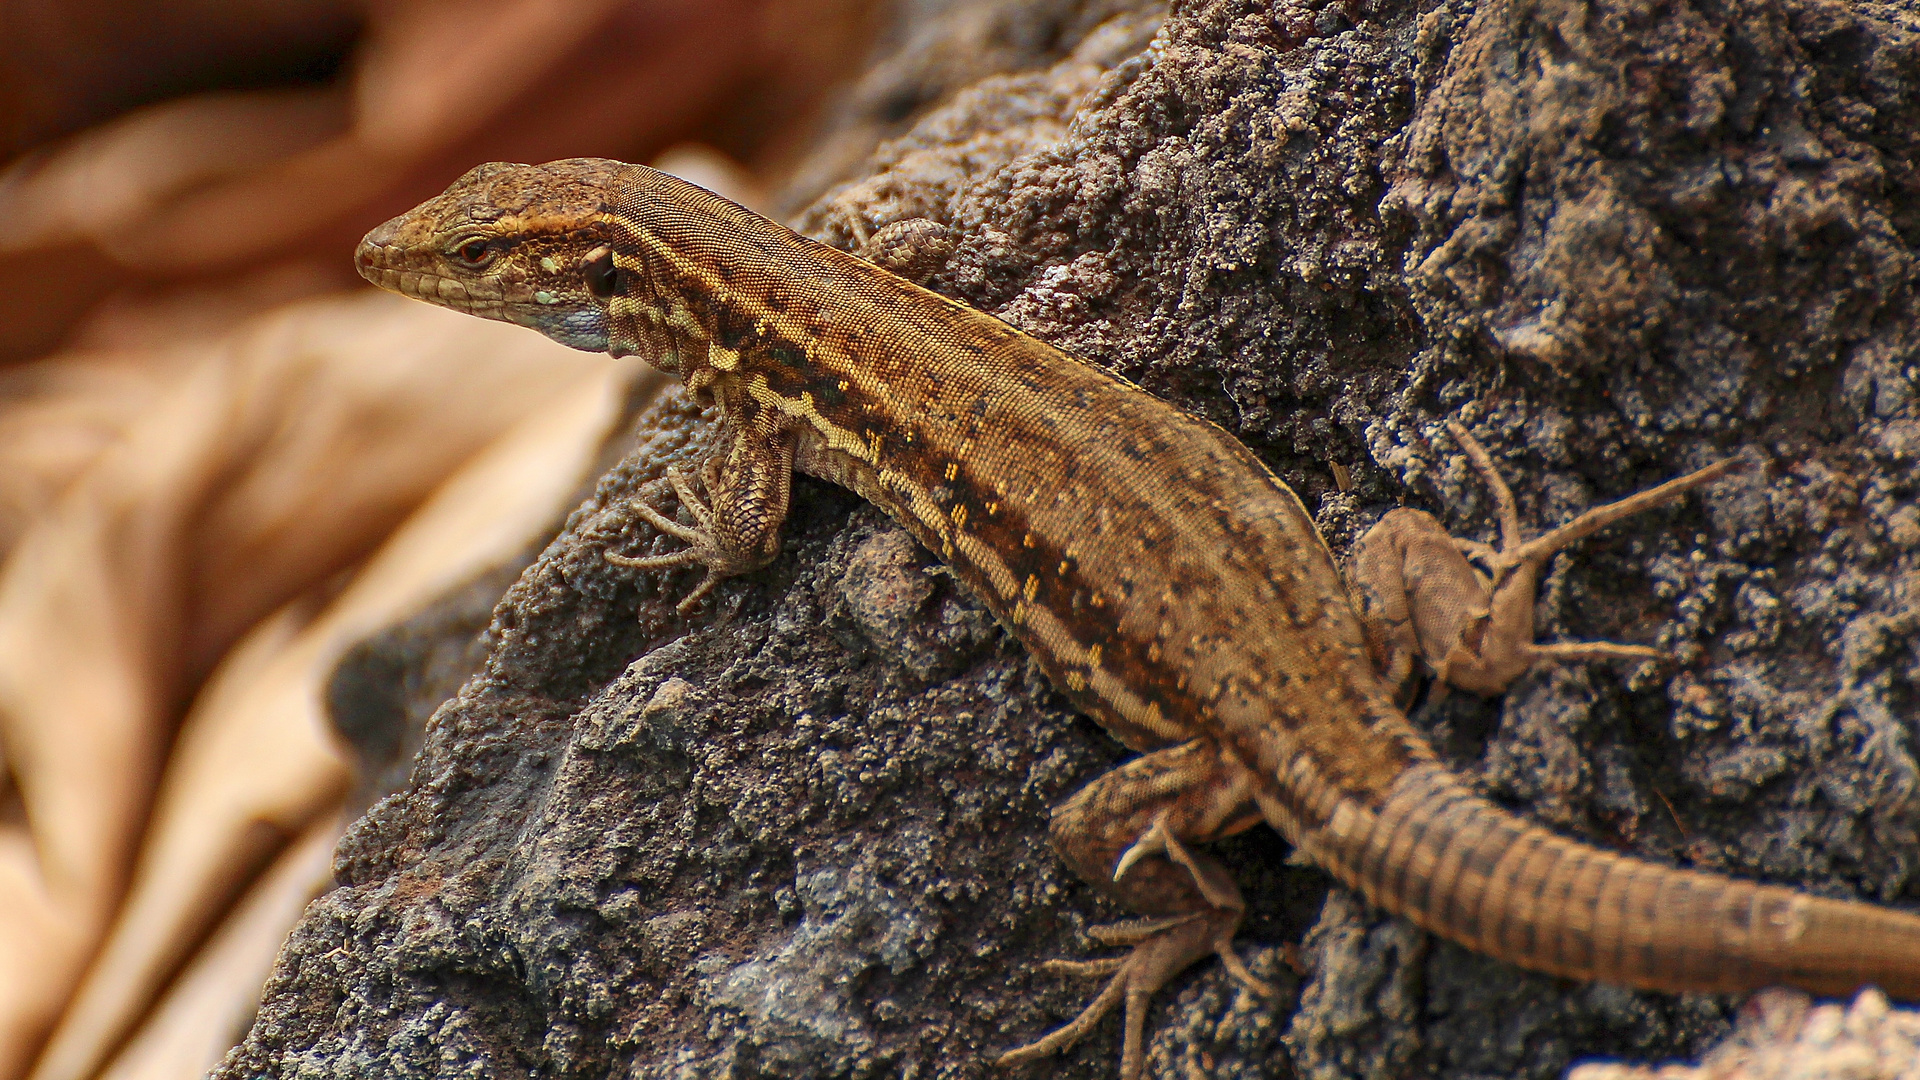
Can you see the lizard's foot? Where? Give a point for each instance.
(1162, 948)
(1512, 572)
(703, 549)
(1466, 607)
(748, 478)
(1513, 552)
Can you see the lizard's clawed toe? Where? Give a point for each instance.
(1162, 948)
(707, 543)
(701, 550)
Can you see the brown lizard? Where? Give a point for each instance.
(1163, 577)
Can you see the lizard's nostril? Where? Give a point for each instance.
(369, 256)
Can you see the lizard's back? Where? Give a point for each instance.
(1152, 563)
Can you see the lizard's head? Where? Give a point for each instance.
(524, 244)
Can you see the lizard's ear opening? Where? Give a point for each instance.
(603, 279)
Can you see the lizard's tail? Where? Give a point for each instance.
(1467, 870)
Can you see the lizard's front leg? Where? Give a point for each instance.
(1420, 596)
(1131, 833)
(748, 479)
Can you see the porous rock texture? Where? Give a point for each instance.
(802, 832)
(1782, 1035)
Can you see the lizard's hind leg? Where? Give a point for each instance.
(1129, 833)
(1465, 607)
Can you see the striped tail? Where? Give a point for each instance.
(1465, 869)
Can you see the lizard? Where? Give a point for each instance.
(1166, 581)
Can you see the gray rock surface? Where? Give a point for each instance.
(802, 833)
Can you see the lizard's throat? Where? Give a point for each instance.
(584, 328)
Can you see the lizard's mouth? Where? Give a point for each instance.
(392, 268)
(380, 263)
(395, 266)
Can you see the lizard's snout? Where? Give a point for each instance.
(368, 258)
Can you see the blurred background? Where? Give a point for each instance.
(225, 463)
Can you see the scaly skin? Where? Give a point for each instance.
(1167, 582)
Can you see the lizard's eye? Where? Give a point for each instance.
(474, 252)
(603, 279)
